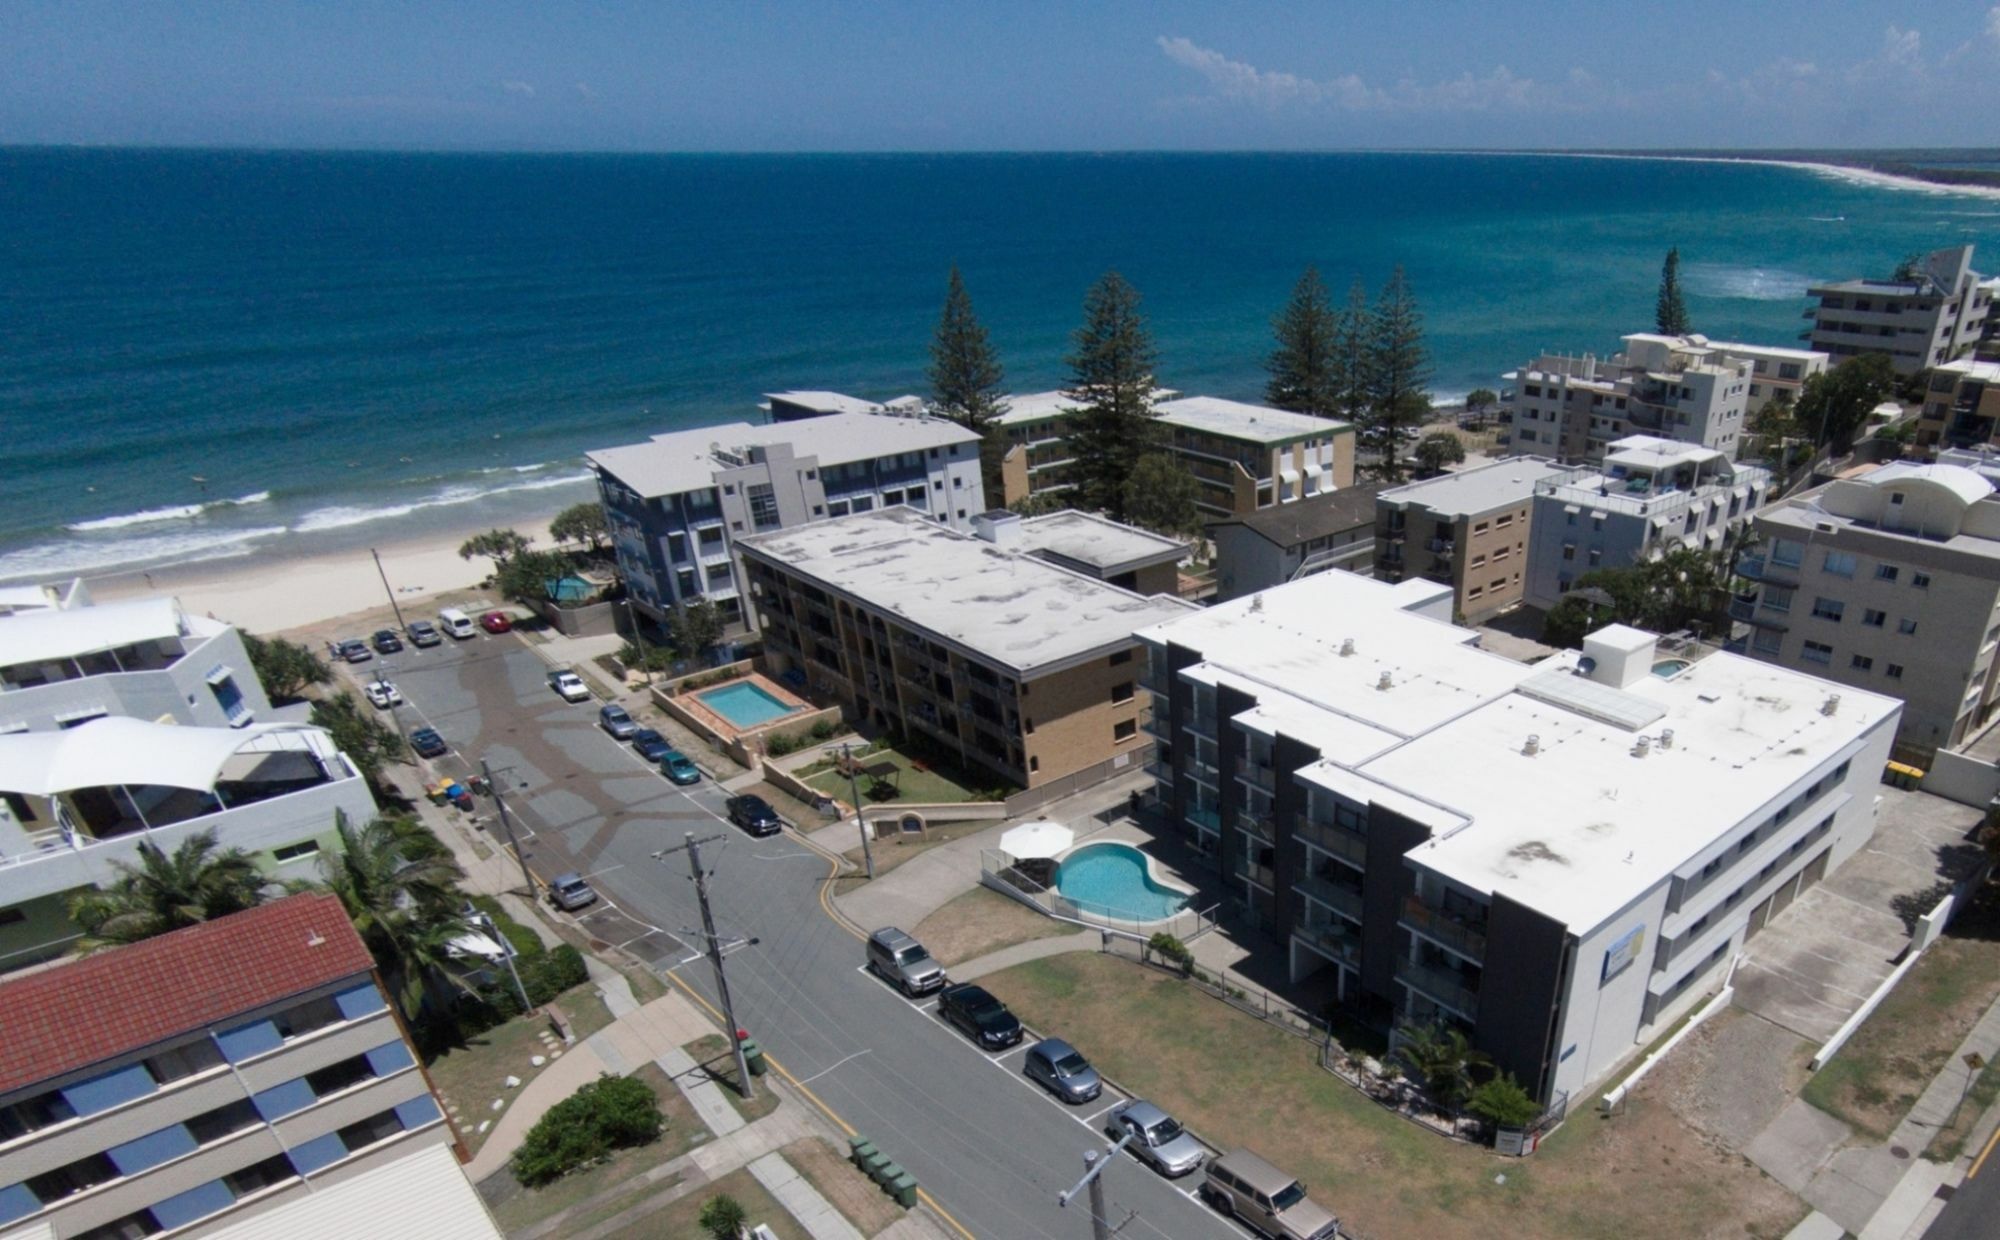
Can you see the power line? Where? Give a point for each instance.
(714, 943)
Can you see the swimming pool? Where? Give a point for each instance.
(1667, 669)
(745, 705)
(1115, 880)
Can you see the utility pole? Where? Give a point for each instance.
(638, 638)
(473, 915)
(507, 825)
(854, 790)
(393, 605)
(1093, 1178)
(693, 850)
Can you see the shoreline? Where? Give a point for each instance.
(1849, 173)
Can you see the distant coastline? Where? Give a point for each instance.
(1974, 173)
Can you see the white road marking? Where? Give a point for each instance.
(830, 1067)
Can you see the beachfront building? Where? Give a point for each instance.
(1467, 530)
(200, 1079)
(678, 503)
(1649, 496)
(76, 802)
(1440, 835)
(1574, 408)
(1331, 530)
(1928, 315)
(1775, 373)
(1962, 405)
(1001, 658)
(1096, 546)
(1036, 455)
(69, 661)
(1889, 582)
(794, 406)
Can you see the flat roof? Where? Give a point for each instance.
(825, 402)
(116, 750)
(1315, 516)
(682, 461)
(1103, 544)
(1237, 419)
(1005, 606)
(1033, 406)
(423, 1193)
(1971, 368)
(111, 1003)
(1480, 489)
(1653, 452)
(48, 634)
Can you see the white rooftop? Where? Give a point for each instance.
(133, 753)
(1971, 368)
(825, 402)
(48, 635)
(1238, 420)
(1033, 406)
(423, 1193)
(682, 461)
(1100, 542)
(1962, 481)
(1650, 452)
(1009, 607)
(1480, 489)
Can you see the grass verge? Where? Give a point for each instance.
(475, 1074)
(714, 1060)
(980, 921)
(897, 849)
(1949, 1141)
(682, 1219)
(859, 1199)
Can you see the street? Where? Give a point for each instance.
(990, 1148)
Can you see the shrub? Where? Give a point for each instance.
(611, 1112)
(880, 789)
(778, 744)
(525, 942)
(551, 973)
(722, 1217)
(1171, 949)
(826, 729)
(1503, 1101)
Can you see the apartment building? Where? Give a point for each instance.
(1467, 530)
(795, 406)
(1962, 406)
(192, 1081)
(1334, 529)
(78, 801)
(1037, 458)
(71, 661)
(1440, 835)
(1888, 582)
(1775, 373)
(677, 503)
(1575, 408)
(1930, 315)
(1006, 660)
(1648, 497)
(1095, 546)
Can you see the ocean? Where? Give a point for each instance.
(208, 354)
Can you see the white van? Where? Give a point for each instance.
(457, 623)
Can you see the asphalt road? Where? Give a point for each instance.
(991, 1149)
(1971, 1212)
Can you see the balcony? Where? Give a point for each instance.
(1467, 938)
(1242, 867)
(1744, 609)
(1202, 724)
(1335, 937)
(1443, 547)
(1260, 825)
(1343, 900)
(1441, 986)
(1762, 568)
(1154, 722)
(1261, 775)
(1207, 819)
(1349, 846)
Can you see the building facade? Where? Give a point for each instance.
(1331, 530)
(1467, 530)
(1006, 661)
(1100, 548)
(677, 504)
(1650, 496)
(1036, 459)
(191, 1081)
(1423, 824)
(1962, 406)
(1888, 582)
(1930, 315)
(1670, 387)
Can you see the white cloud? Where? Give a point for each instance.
(1232, 79)
(518, 88)
(583, 91)
(1273, 89)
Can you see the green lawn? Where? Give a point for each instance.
(475, 1074)
(1239, 1081)
(713, 1058)
(938, 785)
(682, 1219)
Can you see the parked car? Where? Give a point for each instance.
(383, 694)
(496, 622)
(1252, 1191)
(569, 892)
(457, 624)
(570, 685)
(675, 766)
(904, 962)
(618, 721)
(1157, 1137)
(428, 743)
(982, 1017)
(353, 650)
(423, 634)
(755, 815)
(386, 641)
(1059, 1068)
(651, 745)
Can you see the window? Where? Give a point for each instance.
(260, 1175)
(1921, 581)
(1122, 692)
(184, 1061)
(1817, 652)
(1569, 551)
(20, 1118)
(1596, 555)
(336, 1077)
(1034, 763)
(307, 1017)
(1839, 563)
(219, 1123)
(292, 852)
(1122, 656)
(363, 1133)
(763, 506)
(1767, 641)
(1894, 671)
(73, 1178)
(1861, 663)
(131, 1227)
(1828, 609)
(1874, 619)
(1124, 730)
(1906, 626)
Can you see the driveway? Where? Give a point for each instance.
(1815, 963)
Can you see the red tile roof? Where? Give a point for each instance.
(126, 998)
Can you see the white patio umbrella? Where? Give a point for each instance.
(1033, 840)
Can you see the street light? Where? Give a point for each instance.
(473, 914)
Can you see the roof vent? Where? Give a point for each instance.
(1642, 746)
(1256, 603)
(1832, 705)
(1346, 647)
(1666, 738)
(1386, 682)
(1533, 747)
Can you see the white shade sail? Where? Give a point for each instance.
(127, 752)
(42, 636)
(1037, 839)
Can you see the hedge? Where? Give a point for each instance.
(610, 1113)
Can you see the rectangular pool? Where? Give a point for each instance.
(745, 705)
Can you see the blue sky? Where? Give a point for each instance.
(1001, 74)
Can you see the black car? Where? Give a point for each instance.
(651, 745)
(424, 633)
(386, 641)
(755, 815)
(428, 743)
(984, 1019)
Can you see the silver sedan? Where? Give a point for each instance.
(1157, 1137)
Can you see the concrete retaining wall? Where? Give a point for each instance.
(1967, 781)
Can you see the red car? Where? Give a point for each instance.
(495, 622)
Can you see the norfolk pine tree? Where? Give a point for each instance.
(1670, 316)
(967, 384)
(1352, 347)
(1111, 380)
(1398, 371)
(1307, 375)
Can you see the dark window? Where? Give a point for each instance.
(260, 1175)
(21, 1118)
(65, 1181)
(364, 1133)
(1124, 730)
(308, 1016)
(1122, 692)
(338, 1076)
(292, 852)
(183, 1061)
(1123, 656)
(219, 1123)
(131, 1227)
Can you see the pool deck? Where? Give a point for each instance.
(727, 728)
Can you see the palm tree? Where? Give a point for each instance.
(1443, 1057)
(198, 882)
(399, 887)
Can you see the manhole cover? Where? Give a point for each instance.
(1897, 1151)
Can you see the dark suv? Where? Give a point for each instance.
(984, 1019)
(755, 815)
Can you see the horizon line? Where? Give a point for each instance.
(1732, 152)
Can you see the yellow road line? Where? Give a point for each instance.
(1979, 1162)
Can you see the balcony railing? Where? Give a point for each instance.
(1347, 845)
(1345, 900)
(1443, 546)
(1467, 938)
(1207, 819)
(1155, 722)
(1334, 936)
(1439, 985)
(1257, 774)
(1202, 724)
(1260, 825)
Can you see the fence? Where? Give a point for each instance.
(1076, 781)
(1002, 872)
(1245, 997)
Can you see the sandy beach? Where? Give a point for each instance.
(1832, 172)
(271, 593)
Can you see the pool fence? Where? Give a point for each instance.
(1003, 873)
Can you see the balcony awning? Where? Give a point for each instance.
(47, 635)
(124, 752)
